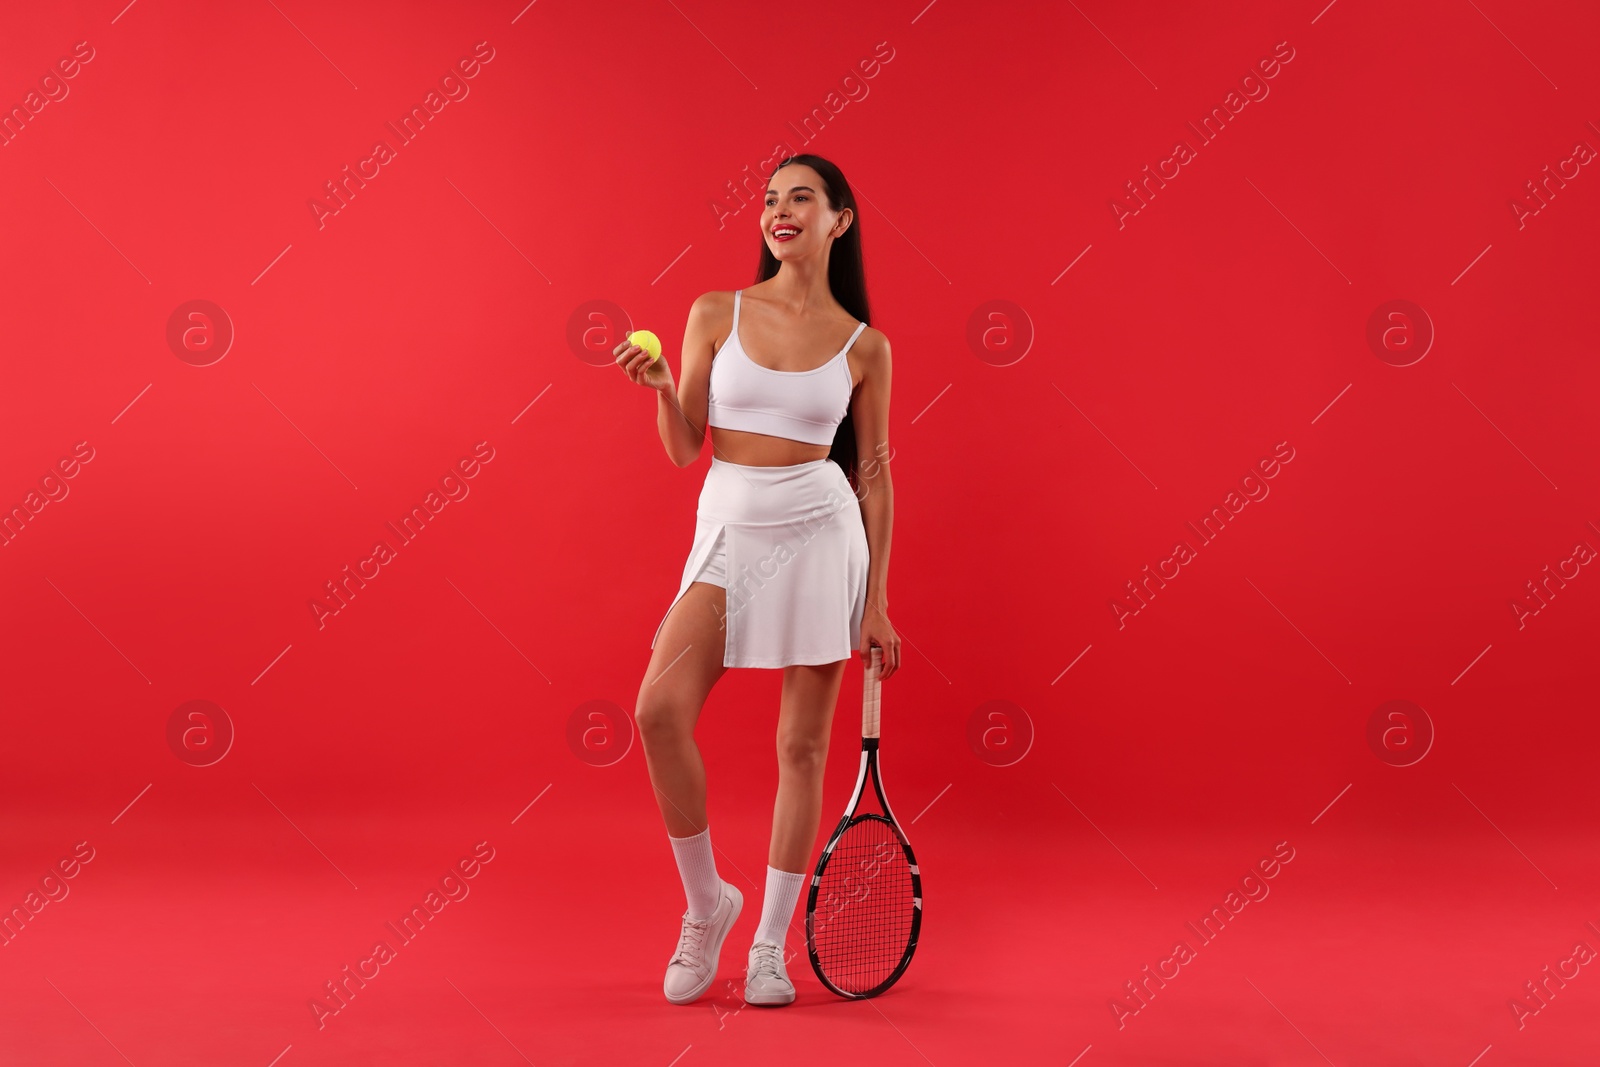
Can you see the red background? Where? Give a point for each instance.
(375, 350)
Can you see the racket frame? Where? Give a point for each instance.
(869, 768)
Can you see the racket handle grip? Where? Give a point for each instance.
(870, 696)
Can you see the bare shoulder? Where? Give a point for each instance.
(708, 306)
(709, 318)
(873, 349)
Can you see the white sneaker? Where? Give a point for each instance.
(693, 967)
(766, 981)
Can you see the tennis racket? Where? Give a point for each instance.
(864, 910)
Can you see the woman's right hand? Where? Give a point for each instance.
(641, 368)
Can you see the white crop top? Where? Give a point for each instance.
(803, 405)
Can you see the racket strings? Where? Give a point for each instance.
(861, 925)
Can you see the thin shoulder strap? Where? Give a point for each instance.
(847, 344)
(736, 294)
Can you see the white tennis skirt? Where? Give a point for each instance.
(789, 547)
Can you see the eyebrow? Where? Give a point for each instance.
(793, 189)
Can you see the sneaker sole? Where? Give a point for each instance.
(768, 999)
(718, 936)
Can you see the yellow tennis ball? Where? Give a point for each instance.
(647, 341)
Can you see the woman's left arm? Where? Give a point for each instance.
(875, 490)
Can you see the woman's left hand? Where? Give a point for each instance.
(877, 630)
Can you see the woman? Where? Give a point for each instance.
(791, 551)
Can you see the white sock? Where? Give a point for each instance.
(698, 868)
(777, 907)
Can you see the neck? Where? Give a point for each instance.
(801, 286)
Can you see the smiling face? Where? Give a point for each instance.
(796, 219)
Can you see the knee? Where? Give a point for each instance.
(805, 755)
(658, 719)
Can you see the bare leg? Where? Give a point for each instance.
(686, 663)
(805, 722)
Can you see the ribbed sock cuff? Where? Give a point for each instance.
(777, 907)
(697, 865)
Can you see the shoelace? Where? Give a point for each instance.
(766, 960)
(694, 933)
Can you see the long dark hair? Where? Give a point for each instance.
(847, 280)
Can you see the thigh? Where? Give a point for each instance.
(687, 659)
(805, 710)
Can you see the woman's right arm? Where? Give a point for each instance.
(681, 412)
